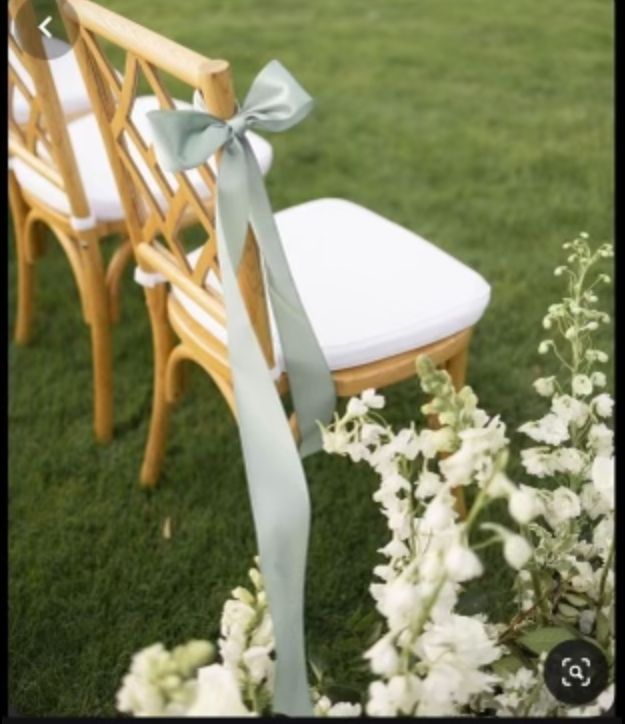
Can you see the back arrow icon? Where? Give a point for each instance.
(43, 28)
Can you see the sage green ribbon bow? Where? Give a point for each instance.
(184, 139)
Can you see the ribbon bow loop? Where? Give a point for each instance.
(276, 101)
(185, 139)
(277, 484)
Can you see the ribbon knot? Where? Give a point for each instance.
(238, 125)
(184, 139)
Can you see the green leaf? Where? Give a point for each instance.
(376, 633)
(317, 668)
(545, 638)
(507, 665)
(568, 611)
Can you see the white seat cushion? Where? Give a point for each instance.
(67, 78)
(371, 288)
(97, 175)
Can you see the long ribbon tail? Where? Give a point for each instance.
(310, 380)
(276, 479)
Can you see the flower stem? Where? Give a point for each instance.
(541, 599)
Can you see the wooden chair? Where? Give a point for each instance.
(60, 177)
(377, 294)
(46, 189)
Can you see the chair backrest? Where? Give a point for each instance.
(158, 204)
(37, 127)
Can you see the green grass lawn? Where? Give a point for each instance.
(484, 125)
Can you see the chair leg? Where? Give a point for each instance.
(89, 271)
(25, 266)
(163, 344)
(457, 368)
(102, 354)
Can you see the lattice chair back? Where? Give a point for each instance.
(158, 204)
(38, 138)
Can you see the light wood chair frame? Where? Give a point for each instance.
(43, 144)
(177, 336)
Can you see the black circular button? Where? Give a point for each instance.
(576, 672)
(50, 30)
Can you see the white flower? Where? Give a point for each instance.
(370, 433)
(440, 513)
(322, 706)
(603, 405)
(355, 408)
(383, 572)
(380, 701)
(581, 385)
(462, 564)
(537, 461)
(524, 505)
(430, 562)
(406, 444)
(545, 386)
(583, 580)
(232, 647)
(138, 696)
(262, 634)
(372, 400)
(569, 409)
(600, 439)
(258, 662)
(568, 460)
(485, 440)
(446, 601)
(236, 615)
(603, 479)
(404, 692)
(428, 485)
(593, 502)
(398, 601)
(357, 451)
(344, 709)
(335, 442)
(458, 468)
(432, 442)
(517, 551)
(563, 505)
(193, 654)
(217, 694)
(598, 379)
(454, 650)
(550, 429)
(500, 486)
(439, 691)
(383, 657)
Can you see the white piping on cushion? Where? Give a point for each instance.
(148, 279)
(83, 223)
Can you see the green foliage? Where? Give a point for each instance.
(484, 126)
(544, 639)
